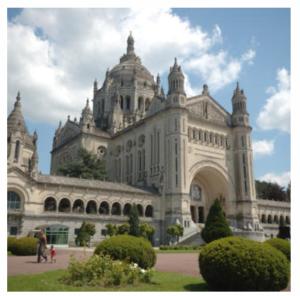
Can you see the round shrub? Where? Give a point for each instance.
(282, 245)
(24, 246)
(239, 264)
(127, 247)
(11, 240)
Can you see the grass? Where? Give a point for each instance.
(9, 253)
(49, 281)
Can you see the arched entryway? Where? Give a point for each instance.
(209, 182)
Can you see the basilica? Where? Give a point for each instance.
(169, 154)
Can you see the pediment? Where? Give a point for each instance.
(205, 107)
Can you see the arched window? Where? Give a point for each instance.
(91, 207)
(287, 220)
(140, 210)
(17, 150)
(281, 220)
(149, 211)
(116, 209)
(122, 102)
(269, 219)
(64, 206)
(275, 219)
(126, 209)
(13, 200)
(263, 218)
(127, 103)
(104, 208)
(147, 104)
(140, 103)
(78, 206)
(50, 204)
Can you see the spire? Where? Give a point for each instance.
(130, 45)
(95, 87)
(15, 120)
(158, 80)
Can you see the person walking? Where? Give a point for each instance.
(42, 246)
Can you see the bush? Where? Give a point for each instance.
(282, 245)
(216, 225)
(24, 246)
(175, 231)
(86, 231)
(238, 264)
(103, 271)
(127, 247)
(11, 240)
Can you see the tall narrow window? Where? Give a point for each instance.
(128, 103)
(17, 150)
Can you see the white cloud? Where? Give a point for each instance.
(55, 54)
(282, 180)
(275, 114)
(263, 147)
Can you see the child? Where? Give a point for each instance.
(52, 254)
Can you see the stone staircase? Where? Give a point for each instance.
(192, 235)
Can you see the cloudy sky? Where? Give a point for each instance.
(54, 55)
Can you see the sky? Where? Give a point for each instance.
(54, 55)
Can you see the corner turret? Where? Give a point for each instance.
(240, 116)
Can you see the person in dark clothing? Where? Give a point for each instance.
(42, 246)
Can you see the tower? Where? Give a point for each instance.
(243, 161)
(87, 123)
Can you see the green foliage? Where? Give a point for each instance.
(175, 231)
(24, 246)
(105, 272)
(126, 247)
(11, 240)
(86, 166)
(282, 245)
(216, 225)
(268, 190)
(179, 247)
(134, 221)
(147, 231)
(238, 264)
(123, 228)
(111, 229)
(86, 231)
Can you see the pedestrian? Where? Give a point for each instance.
(52, 254)
(42, 246)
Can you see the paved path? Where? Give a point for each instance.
(186, 263)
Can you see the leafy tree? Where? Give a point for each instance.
(147, 231)
(175, 231)
(86, 231)
(271, 191)
(284, 231)
(134, 221)
(216, 225)
(123, 228)
(86, 166)
(111, 229)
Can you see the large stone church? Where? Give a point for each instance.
(169, 154)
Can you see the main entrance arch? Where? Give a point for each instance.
(209, 181)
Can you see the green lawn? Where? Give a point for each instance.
(49, 281)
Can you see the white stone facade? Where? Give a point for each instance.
(168, 152)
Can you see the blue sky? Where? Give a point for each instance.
(214, 46)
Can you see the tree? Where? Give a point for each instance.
(175, 231)
(284, 231)
(86, 166)
(147, 231)
(86, 231)
(269, 190)
(111, 229)
(216, 225)
(134, 221)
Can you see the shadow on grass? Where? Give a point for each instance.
(196, 287)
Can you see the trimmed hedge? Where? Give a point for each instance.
(23, 246)
(238, 264)
(282, 245)
(11, 240)
(127, 247)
